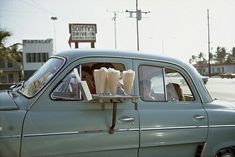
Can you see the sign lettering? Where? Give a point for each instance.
(83, 32)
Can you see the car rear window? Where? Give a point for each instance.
(163, 84)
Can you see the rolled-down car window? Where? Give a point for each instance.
(69, 89)
(38, 80)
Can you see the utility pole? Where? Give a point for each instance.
(115, 29)
(138, 17)
(115, 13)
(209, 47)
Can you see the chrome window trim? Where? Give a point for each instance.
(185, 127)
(116, 130)
(78, 132)
(9, 136)
(173, 128)
(221, 126)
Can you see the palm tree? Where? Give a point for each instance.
(201, 58)
(3, 36)
(193, 59)
(231, 57)
(10, 53)
(211, 56)
(221, 55)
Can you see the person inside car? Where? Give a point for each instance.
(174, 92)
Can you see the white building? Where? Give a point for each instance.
(220, 68)
(35, 54)
(216, 68)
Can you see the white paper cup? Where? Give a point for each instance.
(113, 78)
(128, 79)
(100, 76)
(97, 79)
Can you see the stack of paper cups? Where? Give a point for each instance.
(113, 78)
(100, 76)
(106, 85)
(128, 79)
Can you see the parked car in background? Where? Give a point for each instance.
(172, 115)
(228, 75)
(205, 79)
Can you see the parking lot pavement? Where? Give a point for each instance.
(222, 89)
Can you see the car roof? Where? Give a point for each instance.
(74, 54)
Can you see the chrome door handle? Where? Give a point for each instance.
(127, 119)
(199, 117)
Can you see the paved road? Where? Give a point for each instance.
(222, 89)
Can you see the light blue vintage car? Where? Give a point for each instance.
(168, 114)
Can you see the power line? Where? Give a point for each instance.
(39, 6)
(36, 5)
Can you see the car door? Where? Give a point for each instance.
(58, 125)
(173, 122)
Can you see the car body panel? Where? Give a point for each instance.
(221, 125)
(43, 126)
(171, 125)
(70, 127)
(176, 126)
(11, 120)
(7, 102)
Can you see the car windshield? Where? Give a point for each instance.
(38, 80)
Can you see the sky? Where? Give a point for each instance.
(177, 28)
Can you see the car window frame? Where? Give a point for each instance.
(185, 82)
(49, 81)
(139, 84)
(79, 67)
(182, 71)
